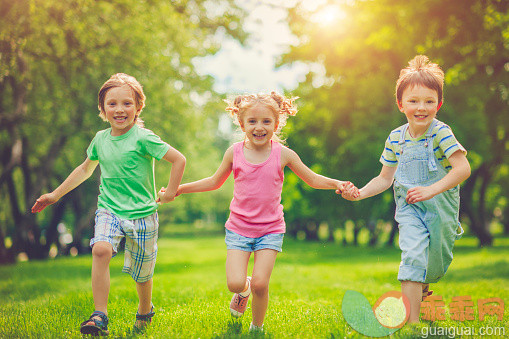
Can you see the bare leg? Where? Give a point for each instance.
(144, 290)
(263, 264)
(101, 256)
(236, 270)
(413, 291)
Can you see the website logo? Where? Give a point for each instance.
(388, 315)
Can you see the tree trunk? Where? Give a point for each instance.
(392, 236)
(476, 214)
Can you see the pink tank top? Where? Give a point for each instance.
(256, 208)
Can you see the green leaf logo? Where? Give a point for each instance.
(389, 314)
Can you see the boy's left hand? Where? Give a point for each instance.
(163, 198)
(348, 189)
(419, 193)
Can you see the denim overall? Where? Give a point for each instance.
(427, 229)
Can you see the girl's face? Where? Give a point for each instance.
(420, 106)
(120, 109)
(259, 124)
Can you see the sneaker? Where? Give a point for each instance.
(238, 304)
(255, 329)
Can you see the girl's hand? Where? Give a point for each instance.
(179, 191)
(44, 201)
(419, 193)
(348, 191)
(163, 198)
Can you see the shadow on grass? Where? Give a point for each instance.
(234, 330)
(496, 270)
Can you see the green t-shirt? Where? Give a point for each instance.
(127, 171)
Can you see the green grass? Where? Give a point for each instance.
(49, 299)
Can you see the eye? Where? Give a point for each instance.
(267, 121)
(252, 121)
(430, 101)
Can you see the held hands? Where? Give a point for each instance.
(419, 193)
(348, 191)
(44, 201)
(163, 197)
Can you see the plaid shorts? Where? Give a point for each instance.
(140, 245)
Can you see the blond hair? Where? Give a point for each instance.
(281, 107)
(420, 71)
(119, 80)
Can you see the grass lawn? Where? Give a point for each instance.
(49, 299)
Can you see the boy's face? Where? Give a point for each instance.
(120, 109)
(420, 106)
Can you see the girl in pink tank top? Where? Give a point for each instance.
(256, 223)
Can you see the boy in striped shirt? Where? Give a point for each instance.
(426, 164)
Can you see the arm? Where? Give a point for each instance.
(377, 185)
(80, 174)
(178, 162)
(292, 160)
(213, 182)
(460, 171)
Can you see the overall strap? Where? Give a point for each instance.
(402, 135)
(401, 141)
(432, 165)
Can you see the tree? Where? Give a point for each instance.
(348, 96)
(54, 57)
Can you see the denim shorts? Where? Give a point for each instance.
(140, 245)
(234, 241)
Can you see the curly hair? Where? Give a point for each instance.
(420, 71)
(119, 80)
(281, 106)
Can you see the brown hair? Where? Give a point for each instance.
(281, 106)
(421, 71)
(119, 80)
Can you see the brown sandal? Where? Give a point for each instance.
(426, 292)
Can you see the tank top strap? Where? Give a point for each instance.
(276, 154)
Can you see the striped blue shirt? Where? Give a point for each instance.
(444, 145)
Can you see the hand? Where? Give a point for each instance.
(419, 193)
(162, 197)
(348, 191)
(44, 201)
(179, 191)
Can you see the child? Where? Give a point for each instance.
(127, 201)
(256, 222)
(427, 164)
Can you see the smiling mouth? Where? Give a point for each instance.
(419, 116)
(259, 136)
(120, 119)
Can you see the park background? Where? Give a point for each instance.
(342, 58)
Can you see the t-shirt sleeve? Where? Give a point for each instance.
(448, 142)
(388, 157)
(92, 149)
(154, 146)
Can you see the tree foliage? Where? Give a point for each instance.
(54, 56)
(348, 106)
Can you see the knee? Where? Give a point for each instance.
(259, 287)
(236, 286)
(102, 250)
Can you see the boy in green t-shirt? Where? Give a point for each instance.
(127, 201)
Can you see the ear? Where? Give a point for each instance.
(439, 105)
(241, 125)
(277, 125)
(400, 106)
